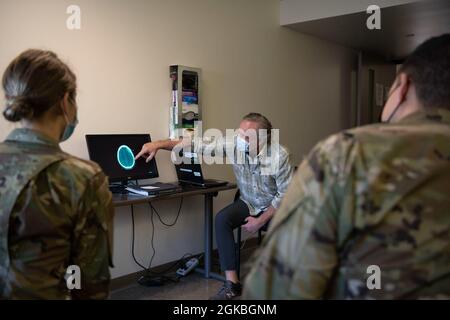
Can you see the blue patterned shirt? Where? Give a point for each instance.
(262, 179)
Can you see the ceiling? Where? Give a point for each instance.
(403, 27)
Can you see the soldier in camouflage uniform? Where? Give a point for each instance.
(56, 210)
(378, 195)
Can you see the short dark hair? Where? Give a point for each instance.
(34, 82)
(264, 123)
(429, 69)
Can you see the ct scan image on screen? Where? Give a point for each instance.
(115, 154)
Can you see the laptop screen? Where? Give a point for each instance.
(190, 169)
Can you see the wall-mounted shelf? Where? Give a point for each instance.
(186, 108)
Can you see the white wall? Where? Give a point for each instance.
(122, 56)
(295, 11)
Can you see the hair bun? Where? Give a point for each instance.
(17, 108)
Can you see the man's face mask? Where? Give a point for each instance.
(242, 145)
(390, 102)
(389, 119)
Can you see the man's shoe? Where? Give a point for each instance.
(228, 291)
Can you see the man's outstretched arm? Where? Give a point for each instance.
(150, 149)
(199, 145)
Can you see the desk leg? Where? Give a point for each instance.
(208, 232)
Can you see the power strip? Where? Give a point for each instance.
(190, 265)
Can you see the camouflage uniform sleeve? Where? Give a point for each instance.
(299, 254)
(92, 248)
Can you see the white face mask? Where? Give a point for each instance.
(242, 145)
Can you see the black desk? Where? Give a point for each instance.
(121, 200)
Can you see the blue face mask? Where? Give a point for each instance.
(69, 129)
(242, 145)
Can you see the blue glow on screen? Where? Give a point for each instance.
(125, 157)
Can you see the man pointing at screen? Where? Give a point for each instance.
(261, 189)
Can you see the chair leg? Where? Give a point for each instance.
(238, 252)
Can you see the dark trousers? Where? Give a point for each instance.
(228, 219)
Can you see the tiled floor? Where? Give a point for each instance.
(192, 287)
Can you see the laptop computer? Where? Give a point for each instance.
(190, 172)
